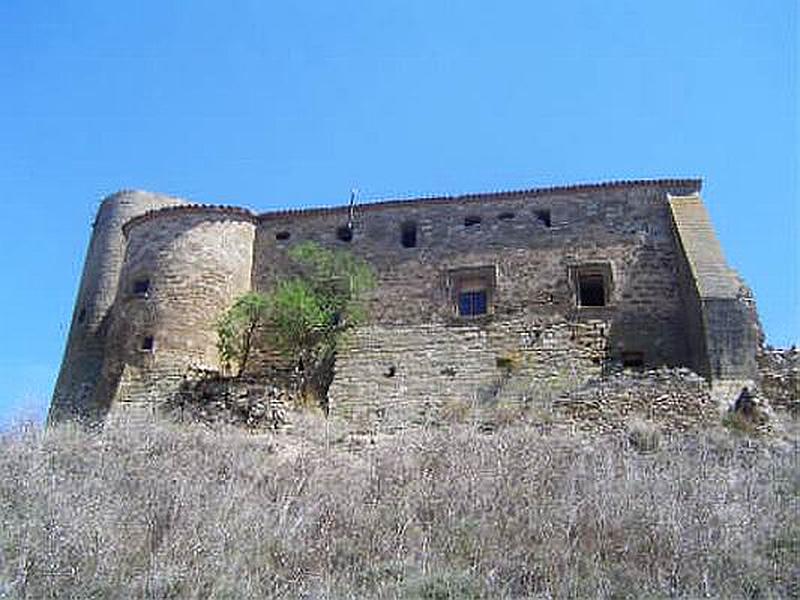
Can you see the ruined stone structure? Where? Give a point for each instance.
(477, 294)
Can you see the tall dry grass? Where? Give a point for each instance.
(157, 511)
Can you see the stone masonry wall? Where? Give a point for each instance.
(87, 343)
(725, 342)
(413, 319)
(196, 262)
(670, 300)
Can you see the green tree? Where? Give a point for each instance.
(236, 330)
(303, 316)
(309, 311)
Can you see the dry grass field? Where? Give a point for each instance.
(158, 511)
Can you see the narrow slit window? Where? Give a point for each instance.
(141, 287)
(543, 216)
(408, 235)
(472, 303)
(282, 236)
(344, 233)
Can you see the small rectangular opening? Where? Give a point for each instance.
(543, 216)
(148, 343)
(408, 235)
(141, 287)
(633, 360)
(345, 233)
(472, 220)
(472, 303)
(591, 289)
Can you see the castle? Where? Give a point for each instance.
(563, 283)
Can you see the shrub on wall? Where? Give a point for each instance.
(304, 315)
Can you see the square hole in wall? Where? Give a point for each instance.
(543, 216)
(592, 284)
(141, 286)
(148, 344)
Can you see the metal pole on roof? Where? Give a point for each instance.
(353, 194)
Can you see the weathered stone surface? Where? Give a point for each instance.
(658, 273)
(780, 377)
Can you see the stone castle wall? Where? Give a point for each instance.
(81, 368)
(196, 262)
(528, 249)
(415, 340)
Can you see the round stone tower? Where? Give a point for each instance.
(183, 267)
(74, 394)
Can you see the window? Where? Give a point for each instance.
(472, 303)
(344, 233)
(472, 290)
(282, 236)
(148, 343)
(506, 216)
(471, 220)
(408, 234)
(591, 290)
(592, 284)
(82, 315)
(543, 216)
(141, 287)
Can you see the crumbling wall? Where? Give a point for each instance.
(779, 370)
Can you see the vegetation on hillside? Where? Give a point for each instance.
(157, 511)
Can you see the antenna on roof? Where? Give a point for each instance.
(353, 194)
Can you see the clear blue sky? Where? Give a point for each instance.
(271, 105)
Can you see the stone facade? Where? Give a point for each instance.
(474, 293)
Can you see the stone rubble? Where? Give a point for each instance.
(675, 398)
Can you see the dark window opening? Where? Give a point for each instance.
(148, 343)
(282, 236)
(591, 289)
(471, 220)
(345, 233)
(141, 287)
(543, 216)
(633, 360)
(472, 303)
(506, 216)
(408, 235)
(390, 372)
(82, 315)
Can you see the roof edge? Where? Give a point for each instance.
(237, 212)
(694, 184)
